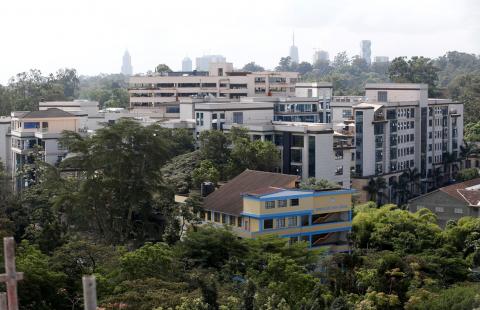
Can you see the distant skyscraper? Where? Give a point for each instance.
(294, 51)
(186, 64)
(320, 56)
(127, 64)
(203, 63)
(366, 51)
(380, 59)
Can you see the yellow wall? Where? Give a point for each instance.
(305, 204)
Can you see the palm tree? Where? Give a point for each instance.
(437, 177)
(467, 149)
(374, 189)
(412, 178)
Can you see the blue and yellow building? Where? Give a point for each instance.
(257, 203)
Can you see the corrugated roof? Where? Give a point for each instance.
(228, 198)
(52, 112)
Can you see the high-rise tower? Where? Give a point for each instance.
(127, 64)
(366, 51)
(294, 51)
(186, 64)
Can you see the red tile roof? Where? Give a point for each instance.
(228, 198)
(459, 191)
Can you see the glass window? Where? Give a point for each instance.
(297, 141)
(382, 96)
(458, 211)
(296, 155)
(282, 203)
(238, 117)
(281, 222)
(268, 224)
(224, 218)
(305, 220)
(232, 220)
(216, 217)
(269, 204)
(339, 170)
(294, 202)
(292, 221)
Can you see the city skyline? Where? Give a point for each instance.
(96, 46)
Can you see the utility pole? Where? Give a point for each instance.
(89, 292)
(11, 276)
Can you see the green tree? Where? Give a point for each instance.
(467, 174)
(466, 88)
(206, 172)
(120, 195)
(374, 189)
(252, 67)
(285, 64)
(162, 68)
(416, 70)
(318, 184)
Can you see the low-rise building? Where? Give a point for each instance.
(257, 203)
(451, 202)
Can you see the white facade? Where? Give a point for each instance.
(320, 56)
(5, 141)
(398, 128)
(186, 64)
(203, 63)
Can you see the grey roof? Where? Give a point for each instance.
(53, 112)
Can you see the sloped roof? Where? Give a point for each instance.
(461, 192)
(49, 113)
(228, 198)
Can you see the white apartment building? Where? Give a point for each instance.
(164, 91)
(398, 128)
(307, 149)
(38, 128)
(5, 141)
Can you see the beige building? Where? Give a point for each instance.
(38, 129)
(164, 91)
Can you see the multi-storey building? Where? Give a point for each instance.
(5, 153)
(398, 128)
(164, 91)
(307, 149)
(257, 203)
(42, 129)
(366, 51)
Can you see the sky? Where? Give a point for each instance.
(92, 35)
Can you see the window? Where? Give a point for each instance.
(339, 154)
(31, 125)
(382, 96)
(297, 141)
(282, 203)
(239, 222)
(199, 118)
(238, 117)
(439, 209)
(269, 204)
(378, 155)
(173, 109)
(339, 170)
(305, 220)
(458, 211)
(281, 222)
(292, 221)
(294, 202)
(232, 220)
(346, 113)
(296, 155)
(216, 217)
(224, 218)
(268, 224)
(209, 215)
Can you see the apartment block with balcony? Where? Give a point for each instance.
(308, 150)
(257, 203)
(398, 128)
(41, 129)
(164, 91)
